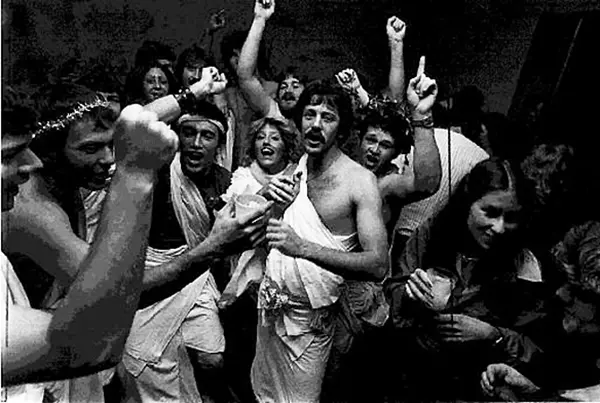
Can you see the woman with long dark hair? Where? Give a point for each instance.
(149, 82)
(456, 297)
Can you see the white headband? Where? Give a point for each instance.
(195, 118)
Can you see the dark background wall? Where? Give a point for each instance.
(480, 42)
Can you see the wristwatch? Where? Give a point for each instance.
(427, 123)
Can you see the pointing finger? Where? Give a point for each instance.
(421, 69)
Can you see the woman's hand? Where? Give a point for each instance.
(419, 288)
(458, 328)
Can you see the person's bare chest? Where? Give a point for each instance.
(330, 194)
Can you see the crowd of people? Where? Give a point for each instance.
(204, 234)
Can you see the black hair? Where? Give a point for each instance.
(134, 85)
(151, 51)
(19, 113)
(209, 111)
(235, 41)
(449, 230)
(333, 95)
(391, 121)
(293, 71)
(100, 78)
(191, 56)
(57, 100)
(289, 136)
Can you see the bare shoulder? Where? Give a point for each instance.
(359, 179)
(35, 201)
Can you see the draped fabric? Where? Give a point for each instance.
(296, 298)
(247, 268)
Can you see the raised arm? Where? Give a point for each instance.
(215, 23)
(255, 94)
(40, 228)
(169, 108)
(348, 80)
(396, 29)
(371, 263)
(88, 332)
(427, 172)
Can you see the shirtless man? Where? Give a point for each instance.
(384, 133)
(49, 228)
(290, 85)
(331, 232)
(86, 333)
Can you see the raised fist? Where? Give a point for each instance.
(264, 9)
(395, 28)
(211, 82)
(141, 141)
(217, 21)
(348, 80)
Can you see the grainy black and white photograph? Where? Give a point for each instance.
(300, 201)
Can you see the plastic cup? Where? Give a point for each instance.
(442, 288)
(246, 204)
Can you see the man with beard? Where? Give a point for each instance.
(88, 331)
(331, 232)
(569, 367)
(290, 85)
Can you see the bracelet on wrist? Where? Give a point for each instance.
(426, 123)
(186, 100)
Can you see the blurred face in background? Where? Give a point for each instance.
(156, 84)
(289, 92)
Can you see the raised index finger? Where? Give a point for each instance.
(421, 69)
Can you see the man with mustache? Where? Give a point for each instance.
(290, 85)
(331, 232)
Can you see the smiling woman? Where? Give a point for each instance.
(476, 242)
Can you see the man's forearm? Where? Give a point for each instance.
(164, 280)
(396, 79)
(426, 162)
(367, 266)
(249, 53)
(93, 322)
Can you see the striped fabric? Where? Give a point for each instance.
(464, 154)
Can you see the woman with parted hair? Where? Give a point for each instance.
(458, 299)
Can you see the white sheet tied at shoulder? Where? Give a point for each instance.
(303, 279)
